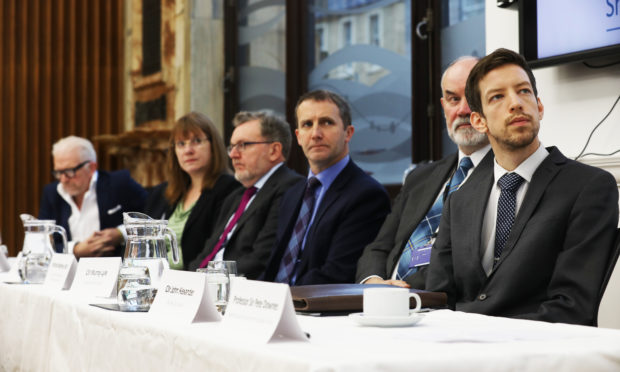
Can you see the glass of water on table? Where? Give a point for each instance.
(218, 282)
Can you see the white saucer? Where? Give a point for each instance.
(386, 321)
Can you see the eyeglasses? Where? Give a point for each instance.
(240, 146)
(69, 172)
(194, 142)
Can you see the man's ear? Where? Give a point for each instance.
(479, 122)
(349, 130)
(541, 109)
(275, 151)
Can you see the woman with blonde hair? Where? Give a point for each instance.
(199, 180)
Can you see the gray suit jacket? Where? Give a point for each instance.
(409, 208)
(251, 241)
(553, 264)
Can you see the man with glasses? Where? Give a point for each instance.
(88, 203)
(246, 227)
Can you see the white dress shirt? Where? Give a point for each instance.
(83, 221)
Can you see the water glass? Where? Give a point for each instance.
(231, 266)
(135, 292)
(34, 268)
(218, 282)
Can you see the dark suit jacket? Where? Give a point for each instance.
(348, 218)
(414, 200)
(553, 264)
(251, 241)
(201, 220)
(117, 192)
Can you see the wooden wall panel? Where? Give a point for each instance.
(61, 71)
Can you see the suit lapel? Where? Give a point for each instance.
(103, 200)
(193, 216)
(334, 191)
(540, 180)
(477, 188)
(427, 190)
(332, 194)
(259, 199)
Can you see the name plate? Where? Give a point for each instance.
(97, 276)
(60, 272)
(4, 261)
(182, 297)
(261, 312)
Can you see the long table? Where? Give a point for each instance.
(43, 331)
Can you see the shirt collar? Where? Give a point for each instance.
(261, 182)
(527, 168)
(329, 175)
(476, 156)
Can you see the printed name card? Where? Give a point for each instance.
(261, 312)
(61, 271)
(4, 261)
(183, 297)
(96, 276)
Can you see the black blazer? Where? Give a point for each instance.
(414, 200)
(347, 219)
(251, 241)
(117, 192)
(201, 220)
(553, 264)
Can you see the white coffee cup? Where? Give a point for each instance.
(393, 302)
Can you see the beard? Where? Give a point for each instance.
(244, 175)
(466, 136)
(517, 138)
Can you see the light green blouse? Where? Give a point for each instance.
(177, 223)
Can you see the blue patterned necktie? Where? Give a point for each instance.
(423, 234)
(509, 183)
(289, 260)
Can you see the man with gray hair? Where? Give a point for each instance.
(400, 253)
(88, 203)
(246, 227)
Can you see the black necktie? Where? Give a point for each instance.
(506, 206)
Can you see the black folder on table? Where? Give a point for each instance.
(324, 298)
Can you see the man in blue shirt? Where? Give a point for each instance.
(326, 220)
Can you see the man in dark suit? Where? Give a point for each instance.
(88, 203)
(246, 227)
(530, 234)
(326, 221)
(423, 188)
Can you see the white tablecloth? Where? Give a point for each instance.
(42, 331)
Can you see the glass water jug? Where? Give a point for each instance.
(145, 251)
(34, 259)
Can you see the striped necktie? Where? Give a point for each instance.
(423, 233)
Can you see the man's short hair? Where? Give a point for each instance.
(272, 127)
(498, 58)
(83, 147)
(321, 95)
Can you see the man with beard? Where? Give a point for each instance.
(246, 227)
(400, 253)
(531, 232)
